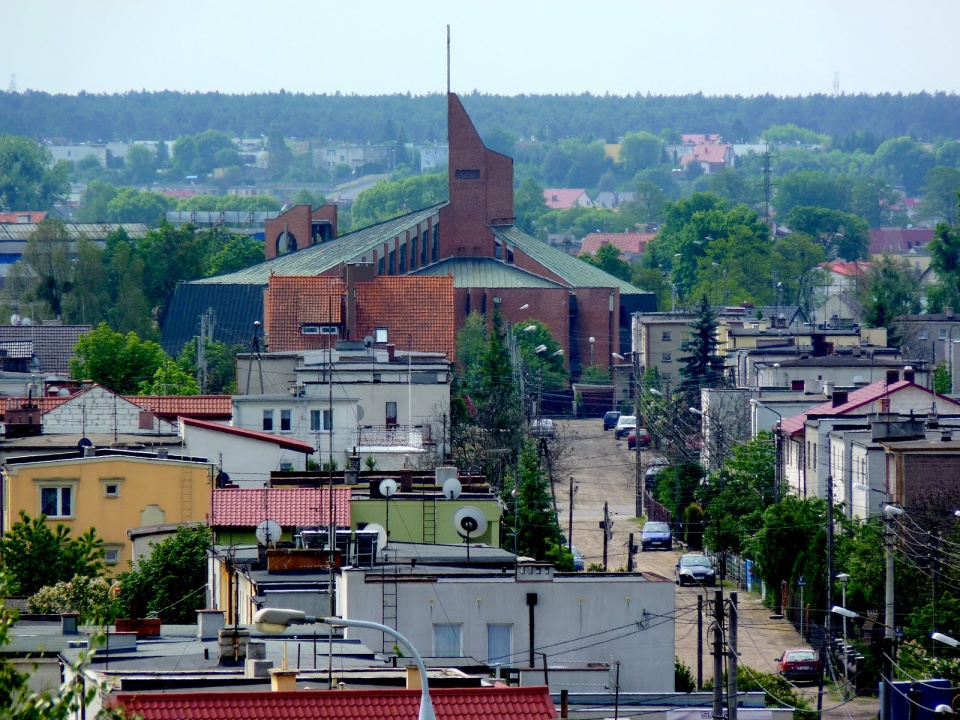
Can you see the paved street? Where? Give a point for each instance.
(603, 471)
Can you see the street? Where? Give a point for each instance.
(603, 470)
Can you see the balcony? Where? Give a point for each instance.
(392, 436)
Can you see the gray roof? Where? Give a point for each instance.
(52, 344)
(576, 273)
(91, 231)
(486, 273)
(318, 259)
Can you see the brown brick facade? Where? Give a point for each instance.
(299, 228)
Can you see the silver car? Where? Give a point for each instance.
(695, 569)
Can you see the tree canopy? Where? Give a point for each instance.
(116, 361)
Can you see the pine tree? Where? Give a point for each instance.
(702, 367)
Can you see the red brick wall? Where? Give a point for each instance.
(298, 222)
(927, 473)
(593, 320)
(481, 189)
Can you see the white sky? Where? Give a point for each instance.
(664, 47)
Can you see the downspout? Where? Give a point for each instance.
(531, 604)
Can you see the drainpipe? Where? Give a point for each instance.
(531, 604)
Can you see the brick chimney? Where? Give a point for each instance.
(908, 374)
(839, 398)
(892, 376)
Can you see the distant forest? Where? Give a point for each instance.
(854, 121)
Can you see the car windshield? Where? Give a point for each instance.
(656, 527)
(574, 552)
(801, 656)
(628, 420)
(695, 560)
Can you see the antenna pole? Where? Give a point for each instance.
(448, 59)
(332, 532)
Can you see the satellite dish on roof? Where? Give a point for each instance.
(14, 319)
(388, 487)
(84, 443)
(368, 341)
(381, 532)
(26, 321)
(452, 488)
(268, 533)
(469, 523)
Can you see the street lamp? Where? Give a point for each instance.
(945, 639)
(618, 356)
(274, 621)
(592, 341)
(843, 577)
(530, 328)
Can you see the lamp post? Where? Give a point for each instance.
(802, 583)
(945, 639)
(843, 577)
(592, 341)
(886, 699)
(274, 621)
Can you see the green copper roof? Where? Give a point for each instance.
(476, 272)
(575, 272)
(317, 259)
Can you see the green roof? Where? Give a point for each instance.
(478, 272)
(318, 259)
(574, 272)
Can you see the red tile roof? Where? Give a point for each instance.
(491, 703)
(712, 154)
(849, 269)
(25, 217)
(170, 407)
(857, 399)
(897, 240)
(561, 199)
(46, 404)
(628, 242)
(288, 443)
(245, 507)
(417, 310)
(699, 139)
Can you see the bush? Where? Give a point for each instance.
(683, 680)
(89, 597)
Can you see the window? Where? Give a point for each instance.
(111, 556)
(424, 241)
(268, 420)
(57, 502)
(111, 486)
(380, 335)
(665, 335)
(666, 357)
(321, 420)
(284, 421)
(943, 334)
(403, 260)
(286, 466)
(499, 644)
(470, 174)
(447, 640)
(391, 413)
(435, 249)
(924, 334)
(309, 329)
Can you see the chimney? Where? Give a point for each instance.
(948, 311)
(885, 406)
(828, 389)
(283, 680)
(413, 678)
(946, 435)
(839, 397)
(892, 376)
(353, 274)
(908, 374)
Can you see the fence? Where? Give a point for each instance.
(655, 511)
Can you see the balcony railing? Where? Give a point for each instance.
(415, 436)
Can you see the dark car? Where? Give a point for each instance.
(610, 420)
(656, 534)
(578, 561)
(799, 664)
(695, 569)
(640, 434)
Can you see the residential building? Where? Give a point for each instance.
(23, 217)
(836, 299)
(75, 153)
(38, 349)
(932, 336)
(613, 199)
(795, 368)
(898, 241)
(630, 244)
(356, 156)
(564, 198)
(110, 490)
(433, 156)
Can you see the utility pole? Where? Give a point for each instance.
(732, 659)
(889, 618)
(570, 518)
(699, 642)
(718, 656)
(826, 647)
(637, 390)
(605, 525)
(630, 553)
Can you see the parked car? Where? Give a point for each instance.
(625, 423)
(799, 664)
(578, 563)
(654, 469)
(640, 434)
(695, 569)
(610, 420)
(543, 428)
(656, 534)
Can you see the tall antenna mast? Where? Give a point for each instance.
(448, 59)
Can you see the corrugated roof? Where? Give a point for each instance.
(484, 703)
(235, 306)
(476, 272)
(288, 443)
(291, 507)
(91, 231)
(318, 259)
(574, 272)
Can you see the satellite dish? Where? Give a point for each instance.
(388, 487)
(14, 319)
(368, 341)
(359, 412)
(452, 488)
(268, 533)
(84, 443)
(381, 532)
(469, 522)
(26, 321)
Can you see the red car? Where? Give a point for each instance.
(799, 664)
(642, 434)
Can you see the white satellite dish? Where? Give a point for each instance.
(381, 532)
(469, 522)
(269, 533)
(388, 487)
(452, 488)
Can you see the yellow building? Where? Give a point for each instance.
(111, 491)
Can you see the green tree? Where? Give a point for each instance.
(132, 205)
(131, 310)
(639, 151)
(607, 258)
(29, 180)
(812, 188)
(305, 197)
(235, 253)
(87, 596)
(890, 289)
(221, 366)
(903, 161)
(941, 379)
(545, 367)
(34, 555)
(702, 366)
(119, 362)
(944, 251)
(790, 134)
(89, 300)
(940, 188)
(530, 511)
(216, 149)
(279, 156)
(387, 200)
(170, 582)
(138, 165)
(94, 201)
(42, 278)
(186, 157)
(842, 235)
(529, 205)
(170, 379)
(795, 262)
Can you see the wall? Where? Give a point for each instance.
(179, 492)
(407, 518)
(247, 461)
(579, 618)
(99, 410)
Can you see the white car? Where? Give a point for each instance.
(543, 428)
(625, 424)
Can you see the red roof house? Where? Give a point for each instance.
(291, 507)
(564, 199)
(630, 244)
(491, 703)
(23, 217)
(898, 240)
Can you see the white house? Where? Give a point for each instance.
(98, 410)
(512, 618)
